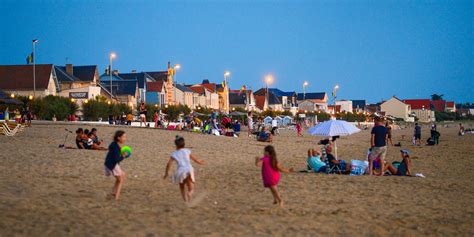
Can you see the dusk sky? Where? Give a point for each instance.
(372, 49)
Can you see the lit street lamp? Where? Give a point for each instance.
(111, 57)
(268, 81)
(305, 84)
(176, 67)
(336, 87)
(34, 66)
(226, 92)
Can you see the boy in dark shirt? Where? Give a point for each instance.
(417, 134)
(378, 143)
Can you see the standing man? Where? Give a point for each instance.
(417, 134)
(250, 123)
(378, 143)
(274, 126)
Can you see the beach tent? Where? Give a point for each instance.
(267, 120)
(279, 120)
(287, 120)
(332, 128)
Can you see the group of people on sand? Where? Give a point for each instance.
(270, 166)
(88, 139)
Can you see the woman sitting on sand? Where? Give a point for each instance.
(399, 168)
(264, 136)
(91, 144)
(315, 161)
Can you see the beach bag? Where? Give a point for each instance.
(358, 167)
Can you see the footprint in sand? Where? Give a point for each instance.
(197, 199)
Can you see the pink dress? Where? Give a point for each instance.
(270, 176)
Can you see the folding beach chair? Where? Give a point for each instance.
(8, 131)
(330, 167)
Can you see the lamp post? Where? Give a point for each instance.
(226, 91)
(111, 57)
(335, 96)
(34, 66)
(305, 84)
(176, 67)
(268, 81)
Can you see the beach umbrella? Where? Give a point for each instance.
(332, 128)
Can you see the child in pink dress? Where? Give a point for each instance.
(298, 129)
(271, 172)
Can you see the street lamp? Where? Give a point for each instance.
(305, 84)
(226, 92)
(34, 65)
(111, 57)
(12, 95)
(176, 67)
(336, 87)
(268, 81)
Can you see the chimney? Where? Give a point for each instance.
(69, 69)
(134, 71)
(116, 72)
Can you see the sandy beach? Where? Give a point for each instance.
(47, 191)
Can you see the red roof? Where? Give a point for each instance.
(260, 101)
(156, 86)
(198, 89)
(418, 103)
(210, 86)
(450, 104)
(20, 77)
(439, 105)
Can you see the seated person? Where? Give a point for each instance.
(79, 141)
(264, 136)
(237, 128)
(315, 162)
(96, 139)
(91, 144)
(332, 161)
(403, 168)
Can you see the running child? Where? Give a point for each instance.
(112, 160)
(271, 169)
(184, 174)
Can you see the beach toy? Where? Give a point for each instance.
(126, 149)
(358, 167)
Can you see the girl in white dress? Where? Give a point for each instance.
(184, 174)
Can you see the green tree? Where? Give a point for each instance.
(437, 97)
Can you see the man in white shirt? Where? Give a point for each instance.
(274, 126)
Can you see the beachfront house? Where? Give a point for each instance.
(450, 107)
(422, 109)
(346, 105)
(396, 108)
(270, 101)
(124, 91)
(242, 99)
(156, 93)
(358, 106)
(318, 101)
(142, 78)
(18, 80)
(203, 97)
(184, 96)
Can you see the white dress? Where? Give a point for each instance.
(182, 157)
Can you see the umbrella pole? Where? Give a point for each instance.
(335, 149)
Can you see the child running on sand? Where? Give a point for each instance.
(112, 160)
(271, 169)
(184, 174)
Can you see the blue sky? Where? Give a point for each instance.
(372, 49)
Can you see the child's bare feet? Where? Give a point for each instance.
(275, 202)
(282, 204)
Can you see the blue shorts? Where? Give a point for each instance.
(342, 164)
